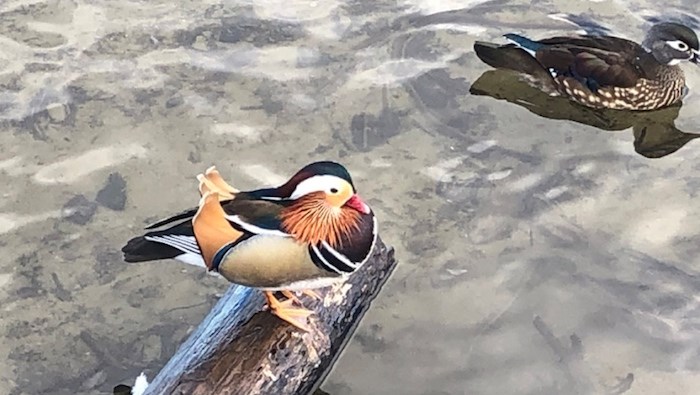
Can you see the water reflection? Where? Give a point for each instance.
(655, 133)
(497, 215)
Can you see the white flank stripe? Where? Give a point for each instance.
(375, 233)
(338, 255)
(255, 229)
(325, 262)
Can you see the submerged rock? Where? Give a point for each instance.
(79, 210)
(113, 194)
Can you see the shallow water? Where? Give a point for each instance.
(537, 255)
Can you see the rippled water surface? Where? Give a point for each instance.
(537, 255)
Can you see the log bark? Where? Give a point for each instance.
(239, 349)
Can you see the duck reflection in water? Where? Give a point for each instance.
(655, 133)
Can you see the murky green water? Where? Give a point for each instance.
(537, 256)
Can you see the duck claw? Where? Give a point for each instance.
(285, 311)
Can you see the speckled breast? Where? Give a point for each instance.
(648, 94)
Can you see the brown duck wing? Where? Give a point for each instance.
(599, 61)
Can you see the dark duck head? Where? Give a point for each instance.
(672, 43)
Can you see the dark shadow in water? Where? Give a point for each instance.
(655, 134)
(121, 389)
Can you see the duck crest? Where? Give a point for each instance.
(311, 220)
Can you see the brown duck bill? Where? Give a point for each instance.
(355, 202)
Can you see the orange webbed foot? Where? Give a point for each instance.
(286, 311)
(311, 293)
(308, 292)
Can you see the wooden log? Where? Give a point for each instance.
(239, 349)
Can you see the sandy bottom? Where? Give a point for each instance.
(537, 255)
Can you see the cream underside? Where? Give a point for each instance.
(196, 260)
(273, 262)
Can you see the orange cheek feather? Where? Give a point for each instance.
(312, 220)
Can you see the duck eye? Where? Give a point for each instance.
(334, 190)
(678, 45)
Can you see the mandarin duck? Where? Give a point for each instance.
(313, 231)
(603, 71)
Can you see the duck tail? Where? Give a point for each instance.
(176, 242)
(511, 57)
(523, 42)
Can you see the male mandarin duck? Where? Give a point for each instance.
(604, 71)
(311, 232)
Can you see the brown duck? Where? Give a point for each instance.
(603, 71)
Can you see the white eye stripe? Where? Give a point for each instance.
(677, 45)
(316, 184)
